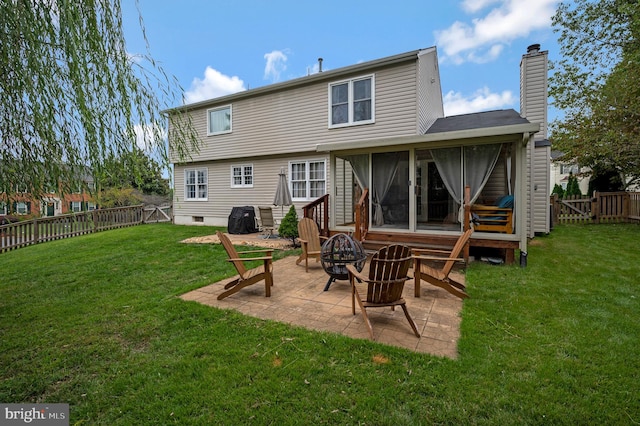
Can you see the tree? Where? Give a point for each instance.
(136, 170)
(289, 225)
(557, 189)
(573, 188)
(597, 85)
(71, 95)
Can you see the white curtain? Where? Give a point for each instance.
(450, 168)
(479, 161)
(385, 167)
(360, 166)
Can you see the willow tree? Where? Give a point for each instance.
(596, 84)
(71, 95)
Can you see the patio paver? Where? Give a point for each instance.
(298, 298)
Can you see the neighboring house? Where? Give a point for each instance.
(22, 203)
(560, 173)
(378, 125)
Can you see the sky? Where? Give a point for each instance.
(216, 48)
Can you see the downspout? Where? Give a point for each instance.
(521, 207)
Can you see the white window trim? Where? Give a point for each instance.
(242, 185)
(186, 192)
(230, 107)
(350, 101)
(307, 178)
(19, 205)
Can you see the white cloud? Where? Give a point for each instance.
(484, 38)
(149, 137)
(472, 6)
(213, 85)
(482, 100)
(276, 64)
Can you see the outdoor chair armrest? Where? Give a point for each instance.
(358, 275)
(441, 259)
(419, 251)
(257, 251)
(244, 259)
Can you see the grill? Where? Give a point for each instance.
(338, 252)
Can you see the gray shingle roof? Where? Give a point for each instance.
(477, 120)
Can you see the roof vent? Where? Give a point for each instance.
(319, 64)
(534, 48)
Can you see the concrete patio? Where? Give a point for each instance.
(297, 298)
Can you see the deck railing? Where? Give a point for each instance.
(318, 210)
(362, 216)
(39, 230)
(603, 207)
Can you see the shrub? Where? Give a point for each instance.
(289, 225)
(557, 189)
(572, 186)
(119, 197)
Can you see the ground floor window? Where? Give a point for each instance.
(242, 176)
(195, 187)
(308, 179)
(22, 207)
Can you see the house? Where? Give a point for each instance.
(374, 128)
(560, 172)
(22, 203)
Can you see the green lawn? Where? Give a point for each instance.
(96, 322)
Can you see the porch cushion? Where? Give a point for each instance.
(505, 202)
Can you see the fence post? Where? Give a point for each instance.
(555, 208)
(36, 236)
(595, 207)
(94, 215)
(625, 207)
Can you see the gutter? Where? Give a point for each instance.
(512, 129)
(303, 81)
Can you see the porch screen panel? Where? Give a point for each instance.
(479, 162)
(469, 166)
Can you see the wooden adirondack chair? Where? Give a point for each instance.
(388, 271)
(247, 277)
(441, 277)
(310, 239)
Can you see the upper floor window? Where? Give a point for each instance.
(219, 120)
(565, 169)
(195, 184)
(242, 176)
(308, 179)
(352, 102)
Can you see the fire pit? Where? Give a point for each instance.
(338, 252)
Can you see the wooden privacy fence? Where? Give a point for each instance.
(603, 207)
(38, 230)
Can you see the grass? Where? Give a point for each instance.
(96, 322)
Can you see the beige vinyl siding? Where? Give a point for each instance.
(429, 91)
(533, 106)
(296, 119)
(541, 190)
(222, 197)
